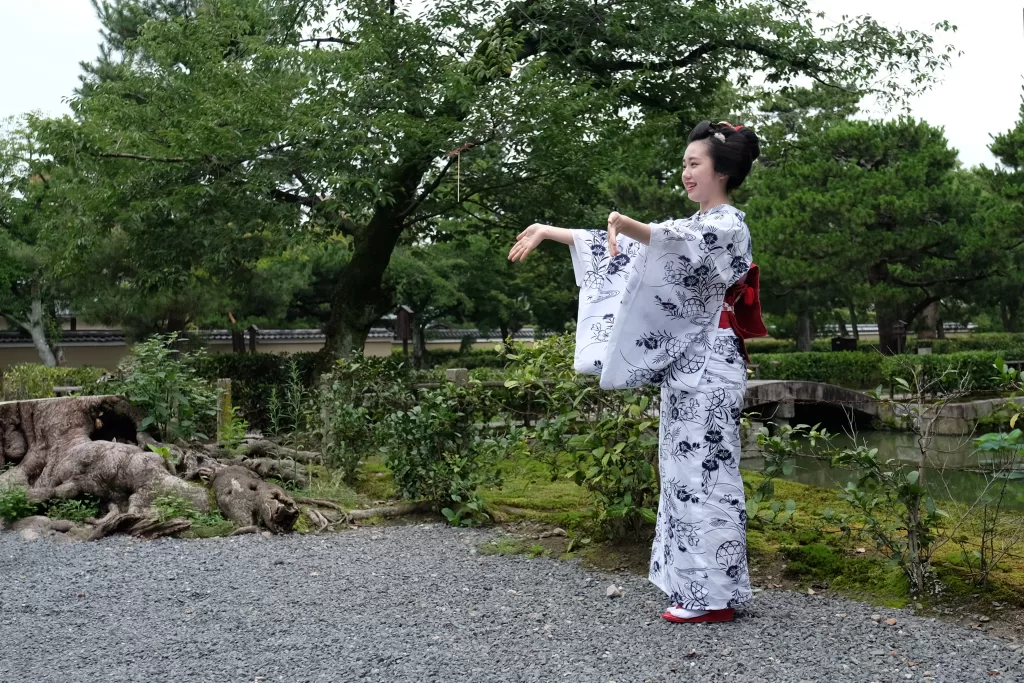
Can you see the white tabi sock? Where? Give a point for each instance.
(686, 613)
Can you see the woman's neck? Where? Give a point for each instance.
(713, 202)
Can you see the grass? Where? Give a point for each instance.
(805, 551)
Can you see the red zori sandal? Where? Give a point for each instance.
(714, 615)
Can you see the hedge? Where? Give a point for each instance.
(478, 358)
(989, 341)
(254, 375)
(867, 370)
(854, 369)
(33, 380)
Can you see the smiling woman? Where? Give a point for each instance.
(658, 306)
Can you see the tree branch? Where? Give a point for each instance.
(330, 39)
(140, 157)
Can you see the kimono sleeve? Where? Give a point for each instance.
(669, 314)
(603, 282)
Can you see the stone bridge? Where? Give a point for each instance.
(779, 397)
(776, 400)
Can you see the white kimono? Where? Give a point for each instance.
(650, 316)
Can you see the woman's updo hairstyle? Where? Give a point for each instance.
(733, 149)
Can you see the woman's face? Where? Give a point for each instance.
(699, 177)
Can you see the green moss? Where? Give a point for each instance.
(506, 545)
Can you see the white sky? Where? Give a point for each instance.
(43, 41)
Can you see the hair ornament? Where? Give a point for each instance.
(719, 137)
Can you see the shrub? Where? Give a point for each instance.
(610, 437)
(255, 376)
(180, 405)
(14, 504)
(32, 380)
(991, 341)
(441, 450)
(471, 360)
(979, 366)
(353, 400)
(74, 510)
(854, 369)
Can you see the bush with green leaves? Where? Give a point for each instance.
(609, 437)
(180, 405)
(946, 372)
(779, 447)
(255, 377)
(32, 380)
(353, 399)
(14, 504)
(171, 506)
(853, 369)
(73, 510)
(443, 449)
(988, 341)
(892, 507)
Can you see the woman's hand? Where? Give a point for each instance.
(613, 233)
(527, 241)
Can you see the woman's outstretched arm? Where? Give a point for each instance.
(530, 239)
(617, 223)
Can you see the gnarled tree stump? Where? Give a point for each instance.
(67, 448)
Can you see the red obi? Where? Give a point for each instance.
(741, 311)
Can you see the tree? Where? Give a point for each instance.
(880, 209)
(30, 297)
(799, 261)
(214, 121)
(429, 280)
(1005, 209)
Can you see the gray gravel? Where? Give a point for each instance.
(416, 604)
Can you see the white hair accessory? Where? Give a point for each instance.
(719, 137)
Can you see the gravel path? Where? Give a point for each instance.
(417, 604)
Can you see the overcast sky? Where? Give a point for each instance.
(43, 41)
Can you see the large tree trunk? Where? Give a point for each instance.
(360, 297)
(419, 346)
(804, 331)
(887, 317)
(35, 326)
(68, 448)
(930, 321)
(853, 321)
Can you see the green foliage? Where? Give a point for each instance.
(74, 510)
(891, 507)
(854, 369)
(946, 371)
(442, 450)
(179, 404)
(32, 380)
(610, 438)
(255, 376)
(170, 506)
(616, 460)
(14, 504)
(232, 433)
(988, 341)
(472, 360)
(353, 400)
(778, 451)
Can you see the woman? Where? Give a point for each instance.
(668, 304)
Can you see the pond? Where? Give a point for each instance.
(956, 471)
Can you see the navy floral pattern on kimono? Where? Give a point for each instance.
(650, 316)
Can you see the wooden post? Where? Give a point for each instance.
(224, 410)
(457, 376)
(253, 331)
